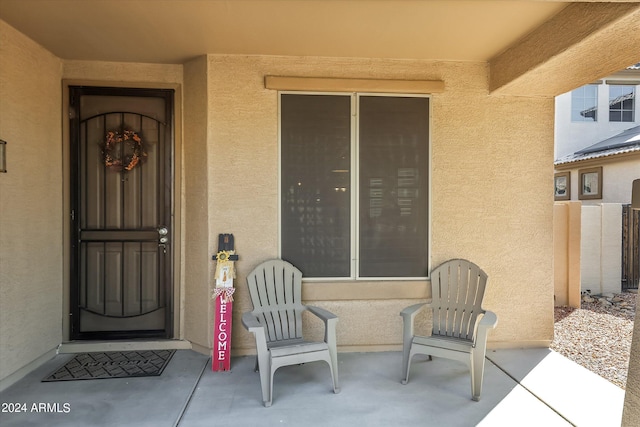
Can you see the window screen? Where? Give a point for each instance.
(393, 150)
(377, 229)
(316, 175)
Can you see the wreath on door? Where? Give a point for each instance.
(125, 157)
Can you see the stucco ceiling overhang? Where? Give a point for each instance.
(532, 47)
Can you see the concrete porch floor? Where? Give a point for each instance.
(530, 387)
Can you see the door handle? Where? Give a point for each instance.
(162, 232)
(162, 241)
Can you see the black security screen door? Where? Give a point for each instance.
(121, 144)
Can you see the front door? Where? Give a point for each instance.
(121, 173)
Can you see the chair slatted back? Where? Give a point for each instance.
(457, 290)
(275, 287)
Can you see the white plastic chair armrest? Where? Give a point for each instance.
(321, 313)
(408, 315)
(330, 320)
(410, 312)
(489, 320)
(250, 322)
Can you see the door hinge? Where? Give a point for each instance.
(73, 215)
(72, 108)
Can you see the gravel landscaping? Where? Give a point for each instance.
(598, 334)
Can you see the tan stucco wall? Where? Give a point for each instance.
(489, 157)
(485, 207)
(34, 231)
(123, 74)
(631, 413)
(30, 202)
(195, 195)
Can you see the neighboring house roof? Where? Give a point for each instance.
(625, 142)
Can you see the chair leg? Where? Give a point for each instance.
(266, 383)
(406, 361)
(407, 356)
(477, 374)
(264, 368)
(333, 366)
(272, 372)
(334, 374)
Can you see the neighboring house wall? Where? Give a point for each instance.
(31, 262)
(601, 217)
(617, 175)
(600, 253)
(572, 136)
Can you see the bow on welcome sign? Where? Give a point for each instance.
(223, 297)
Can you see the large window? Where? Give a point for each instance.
(584, 104)
(621, 103)
(354, 185)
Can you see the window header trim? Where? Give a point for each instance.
(623, 82)
(327, 84)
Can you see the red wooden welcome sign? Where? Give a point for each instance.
(221, 356)
(223, 299)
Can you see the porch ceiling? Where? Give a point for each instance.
(174, 31)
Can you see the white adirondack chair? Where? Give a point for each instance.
(275, 288)
(460, 325)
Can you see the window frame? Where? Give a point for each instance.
(354, 182)
(582, 98)
(622, 110)
(582, 173)
(567, 177)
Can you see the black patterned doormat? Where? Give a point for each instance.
(113, 364)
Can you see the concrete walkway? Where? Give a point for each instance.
(533, 387)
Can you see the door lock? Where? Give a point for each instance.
(163, 231)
